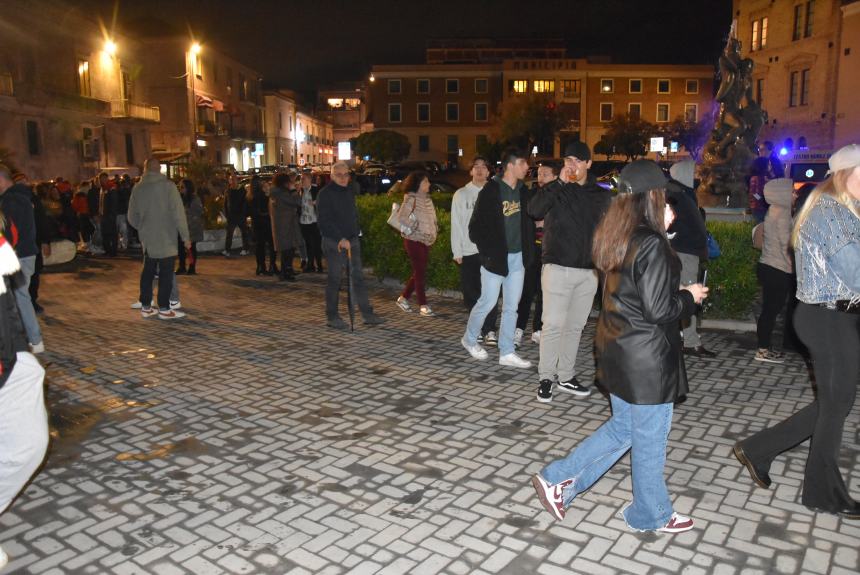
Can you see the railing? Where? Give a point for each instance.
(128, 109)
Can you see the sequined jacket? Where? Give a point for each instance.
(825, 239)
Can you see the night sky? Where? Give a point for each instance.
(303, 45)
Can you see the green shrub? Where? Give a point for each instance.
(732, 277)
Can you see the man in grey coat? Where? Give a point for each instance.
(156, 211)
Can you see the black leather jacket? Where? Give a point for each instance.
(638, 338)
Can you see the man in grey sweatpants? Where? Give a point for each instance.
(571, 209)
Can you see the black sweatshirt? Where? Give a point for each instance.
(337, 215)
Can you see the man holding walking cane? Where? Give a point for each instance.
(338, 222)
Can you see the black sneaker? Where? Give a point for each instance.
(573, 386)
(544, 394)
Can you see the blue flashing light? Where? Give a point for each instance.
(783, 151)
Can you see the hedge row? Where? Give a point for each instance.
(731, 277)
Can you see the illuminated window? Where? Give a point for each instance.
(423, 112)
(394, 86)
(570, 88)
(422, 86)
(691, 87)
(634, 110)
(84, 86)
(763, 32)
(756, 30)
(481, 85)
(452, 112)
(544, 86)
(394, 113)
(606, 111)
(518, 86)
(663, 86)
(662, 112)
(635, 86)
(335, 102)
(607, 86)
(452, 86)
(691, 113)
(481, 112)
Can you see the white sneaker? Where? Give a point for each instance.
(148, 312)
(425, 311)
(403, 304)
(513, 360)
(243, 253)
(138, 305)
(38, 347)
(172, 314)
(518, 337)
(225, 253)
(4, 559)
(175, 305)
(536, 337)
(476, 350)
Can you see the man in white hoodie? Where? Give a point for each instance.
(465, 251)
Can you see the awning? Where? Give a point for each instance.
(204, 101)
(168, 157)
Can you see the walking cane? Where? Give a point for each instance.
(349, 288)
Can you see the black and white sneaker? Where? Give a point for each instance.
(573, 386)
(491, 339)
(544, 394)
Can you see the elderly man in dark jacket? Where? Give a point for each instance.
(338, 222)
(571, 211)
(504, 236)
(17, 206)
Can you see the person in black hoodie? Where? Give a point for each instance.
(505, 238)
(689, 239)
(571, 212)
(17, 205)
(23, 419)
(262, 224)
(236, 211)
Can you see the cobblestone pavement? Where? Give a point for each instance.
(248, 438)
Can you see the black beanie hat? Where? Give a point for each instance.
(578, 150)
(641, 176)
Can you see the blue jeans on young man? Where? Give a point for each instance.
(21, 283)
(644, 431)
(511, 287)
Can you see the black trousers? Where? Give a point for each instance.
(470, 285)
(777, 287)
(183, 255)
(264, 242)
(336, 260)
(34, 279)
(532, 292)
(243, 229)
(833, 338)
(164, 267)
(110, 235)
(313, 244)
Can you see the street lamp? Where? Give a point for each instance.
(110, 47)
(193, 54)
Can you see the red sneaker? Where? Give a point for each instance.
(677, 524)
(550, 495)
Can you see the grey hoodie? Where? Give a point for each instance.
(156, 212)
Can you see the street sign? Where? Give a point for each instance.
(657, 144)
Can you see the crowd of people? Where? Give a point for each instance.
(553, 245)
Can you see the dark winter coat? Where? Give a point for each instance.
(236, 206)
(12, 337)
(337, 215)
(17, 206)
(284, 206)
(487, 230)
(690, 234)
(570, 214)
(638, 342)
(194, 217)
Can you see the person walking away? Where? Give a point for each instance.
(156, 211)
(531, 283)
(464, 249)
(261, 222)
(338, 222)
(689, 239)
(194, 216)
(284, 206)
(826, 240)
(571, 211)
(46, 213)
(417, 203)
(504, 236)
(309, 227)
(236, 212)
(17, 206)
(775, 268)
(23, 419)
(639, 360)
(108, 211)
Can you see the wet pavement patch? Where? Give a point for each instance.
(414, 498)
(516, 428)
(519, 522)
(190, 445)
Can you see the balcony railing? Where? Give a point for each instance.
(129, 109)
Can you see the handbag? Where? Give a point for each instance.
(758, 236)
(405, 223)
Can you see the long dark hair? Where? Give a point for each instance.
(625, 214)
(412, 182)
(187, 191)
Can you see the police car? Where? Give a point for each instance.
(806, 166)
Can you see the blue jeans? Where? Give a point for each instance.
(645, 430)
(511, 287)
(21, 281)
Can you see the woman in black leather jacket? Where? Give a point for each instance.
(639, 359)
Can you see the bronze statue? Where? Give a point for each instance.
(731, 148)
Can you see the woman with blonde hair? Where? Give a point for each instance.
(826, 238)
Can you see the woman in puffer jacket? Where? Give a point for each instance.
(775, 269)
(419, 217)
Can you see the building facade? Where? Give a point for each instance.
(314, 140)
(345, 107)
(280, 128)
(72, 112)
(803, 64)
